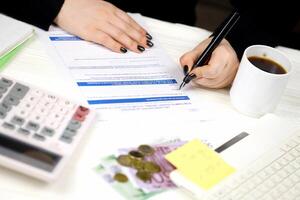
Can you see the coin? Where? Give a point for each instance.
(122, 178)
(146, 149)
(137, 164)
(124, 160)
(143, 175)
(136, 154)
(151, 167)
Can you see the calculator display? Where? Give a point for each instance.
(28, 154)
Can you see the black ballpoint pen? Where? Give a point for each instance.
(219, 34)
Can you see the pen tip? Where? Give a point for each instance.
(181, 85)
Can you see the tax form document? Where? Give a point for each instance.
(115, 84)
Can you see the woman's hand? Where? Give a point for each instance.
(103, 23)
(221, 68)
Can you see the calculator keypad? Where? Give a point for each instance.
(35, 114)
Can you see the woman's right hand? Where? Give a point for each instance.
(219, 71)
(103, 23)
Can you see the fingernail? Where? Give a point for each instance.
(148, 36)
(192, 75)
(123, 50)
(140, 48)
(185, 70)
(149, 43)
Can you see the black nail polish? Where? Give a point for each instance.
(123, 50)
(149, 43)
(185, 69)
(140, 48)
(148, 36)
(193, 76)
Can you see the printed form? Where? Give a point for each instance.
(115, 83)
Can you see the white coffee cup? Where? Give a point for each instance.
(255, 92)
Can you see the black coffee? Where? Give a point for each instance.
(267, 65)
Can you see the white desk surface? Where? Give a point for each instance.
(34, 66)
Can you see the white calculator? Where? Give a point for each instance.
(38, 131)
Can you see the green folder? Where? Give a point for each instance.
(4, 59)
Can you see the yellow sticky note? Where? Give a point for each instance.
(200, 164)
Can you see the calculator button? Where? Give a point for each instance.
(37, 118)
(52, 124)
(39, 137)
(5, 107)
(37, 93)
(32, 126)
(60, 110)
(31, 99)
(46, 103)
(27, 106)
(19, 90)
(83, 110)
(79, 117)
(55, 116)
(69, 132)
(74, 125)
(42, 110)
(23, 131)
(5, 82)
(73, 131)
(2, 89)
(8, 126)
(22, 113)
(65, 104)
(47, 131)
(2, 114)
(17, 120)
(66, 139)
(9, 99)
(51, 98)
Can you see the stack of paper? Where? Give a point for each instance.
(12, 36)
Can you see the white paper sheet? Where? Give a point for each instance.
(138, 85)
(13, 33)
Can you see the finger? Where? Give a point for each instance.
(121, 37)
(124, 16)
(131, 32)
(209, 83)
(191, 57)
(209, 71)
(226, 82)
(220, 81)
(188, 59)
(216, 65)
(230, 75)
(105, 40)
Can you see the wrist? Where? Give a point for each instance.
(60, 14)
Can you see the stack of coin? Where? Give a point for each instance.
(136, 159)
